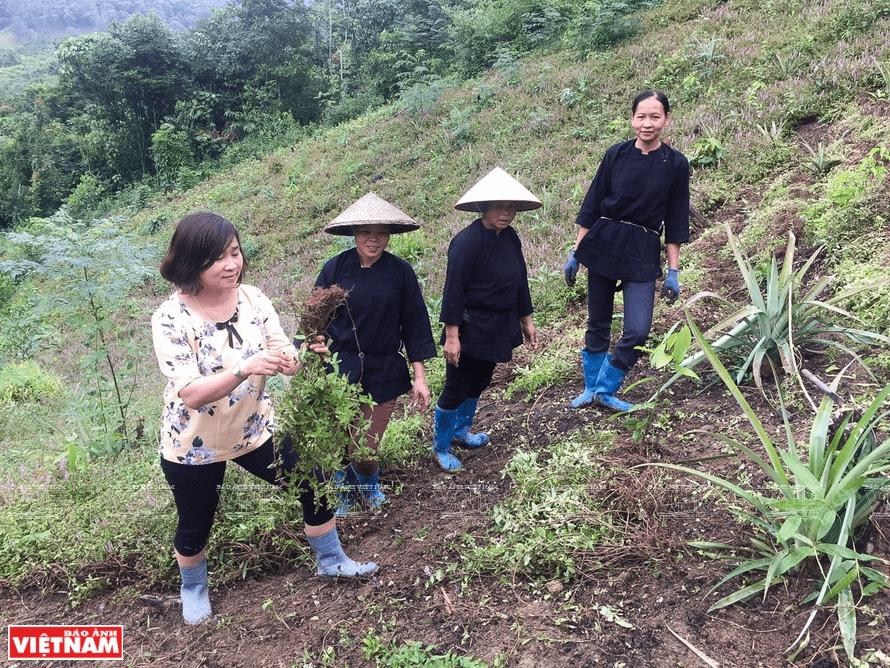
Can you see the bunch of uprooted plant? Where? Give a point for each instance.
(321, 410)
(819, 494)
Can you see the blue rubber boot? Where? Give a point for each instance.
(607, 384)
(444, 425)
(466, 412)
(332, 560)
(194, 594)
(369, 486)
(591, 363)
(345, 482)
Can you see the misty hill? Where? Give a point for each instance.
(37, 20)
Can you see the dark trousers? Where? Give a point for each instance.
(639, 301)
(465, 381)
(196, 492)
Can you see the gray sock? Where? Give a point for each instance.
(194, 594)
(333, 562)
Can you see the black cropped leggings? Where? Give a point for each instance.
(196, 490)
(465, 381)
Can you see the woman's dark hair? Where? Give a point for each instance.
(646, 94)
(198, 241)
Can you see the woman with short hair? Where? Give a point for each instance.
(217, 340)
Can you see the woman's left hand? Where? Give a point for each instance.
(529, 332)
(420, 394)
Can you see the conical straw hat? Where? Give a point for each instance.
(497, 186)
(372, 210)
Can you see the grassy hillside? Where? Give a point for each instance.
(783, 109)
(744, 78)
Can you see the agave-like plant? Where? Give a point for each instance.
(821, 490)
(782, 316)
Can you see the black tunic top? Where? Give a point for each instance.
(648, 190)
(486, 291)
(388, 310)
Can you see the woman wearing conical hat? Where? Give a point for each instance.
(486, 307)
(384, 313)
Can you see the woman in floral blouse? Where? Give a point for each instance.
(217, 341)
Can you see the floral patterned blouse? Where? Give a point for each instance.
(187, 347)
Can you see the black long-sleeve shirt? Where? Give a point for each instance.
(486, 291)
(644, 189)
(387, 307)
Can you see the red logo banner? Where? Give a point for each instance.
(65, 642)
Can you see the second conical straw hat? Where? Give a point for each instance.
(372, 210)
(497, 186)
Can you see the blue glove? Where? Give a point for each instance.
(570, 269)
(670, 289)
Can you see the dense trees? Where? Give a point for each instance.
(141, 102)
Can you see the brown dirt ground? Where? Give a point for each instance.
(650, 579)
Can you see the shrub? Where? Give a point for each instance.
(418, 100)
(845, 210)
(814, 503)
(171, 151)
(707, 152)
(26, 381)
(88, 272)
(349, 107)
(86, 196)
(600, 24)
(403, 441)
(9, 58)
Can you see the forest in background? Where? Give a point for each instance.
(142, 107)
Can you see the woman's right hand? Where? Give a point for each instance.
(452, 350)
(319, 347)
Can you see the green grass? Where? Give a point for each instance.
(111, 524)
(555, 363)
(728, 67)
(549, 520)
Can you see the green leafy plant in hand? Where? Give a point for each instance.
(321, 410)
(820, 490)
